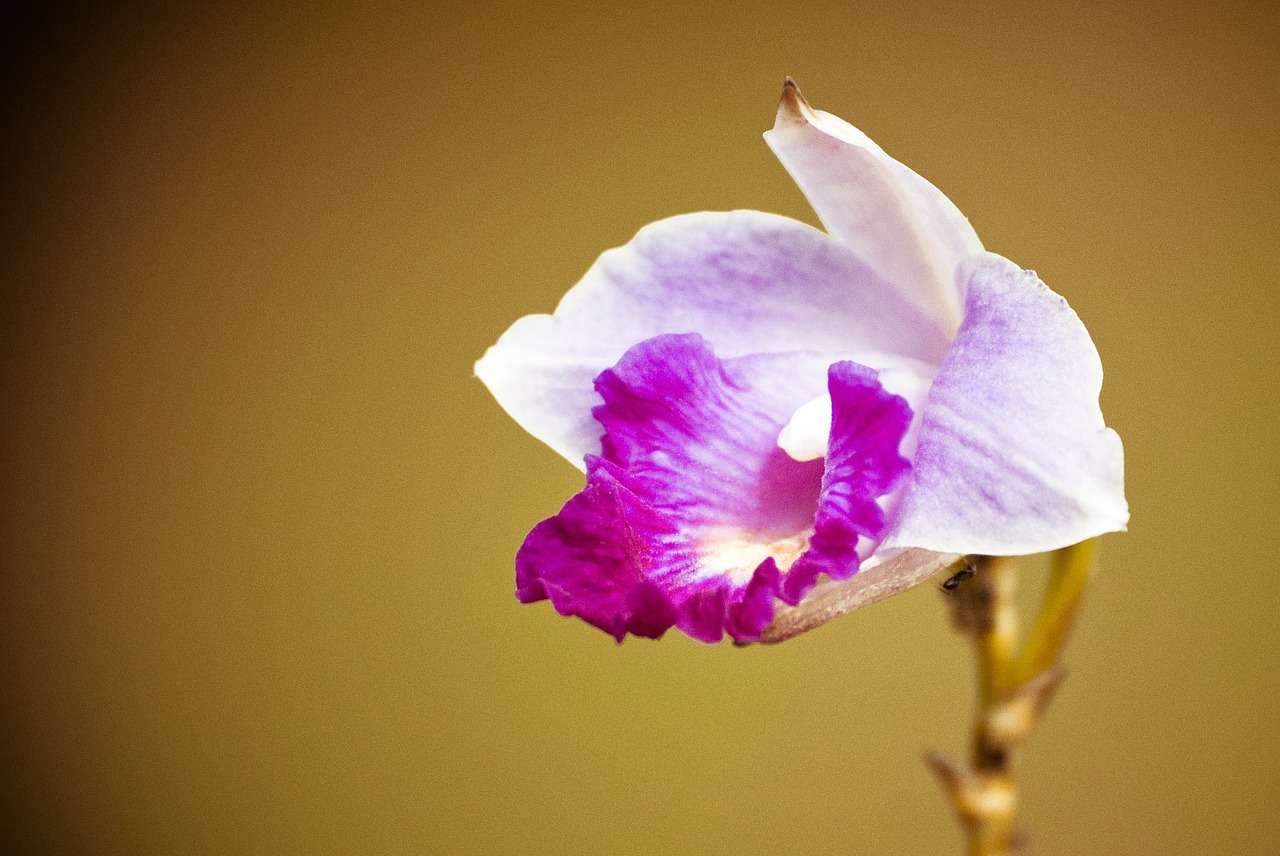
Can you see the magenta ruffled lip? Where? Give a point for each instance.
(692, 517)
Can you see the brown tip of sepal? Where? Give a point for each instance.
(793, 109)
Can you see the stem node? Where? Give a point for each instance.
(1015, 687)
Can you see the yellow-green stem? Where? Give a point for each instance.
(997, 634)
(996, 641)
(1069, 573)
(1014, 688)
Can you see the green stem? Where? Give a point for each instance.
(996, 636)
(1067, 578)
(1015, 688)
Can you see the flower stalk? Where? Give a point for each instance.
(1015, 688)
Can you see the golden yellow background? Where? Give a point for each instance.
(260, 519)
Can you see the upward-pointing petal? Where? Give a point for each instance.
(896, 221)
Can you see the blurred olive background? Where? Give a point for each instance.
(260, 519)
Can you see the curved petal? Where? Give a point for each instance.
(749, 282)
(1013, 454)
(902, 225)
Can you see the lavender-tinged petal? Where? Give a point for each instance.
(749, 282)
(1013, 455)
(862, 465)
(908, 231)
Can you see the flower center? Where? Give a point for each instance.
(737, 554)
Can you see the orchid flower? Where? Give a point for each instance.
(778, 424)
